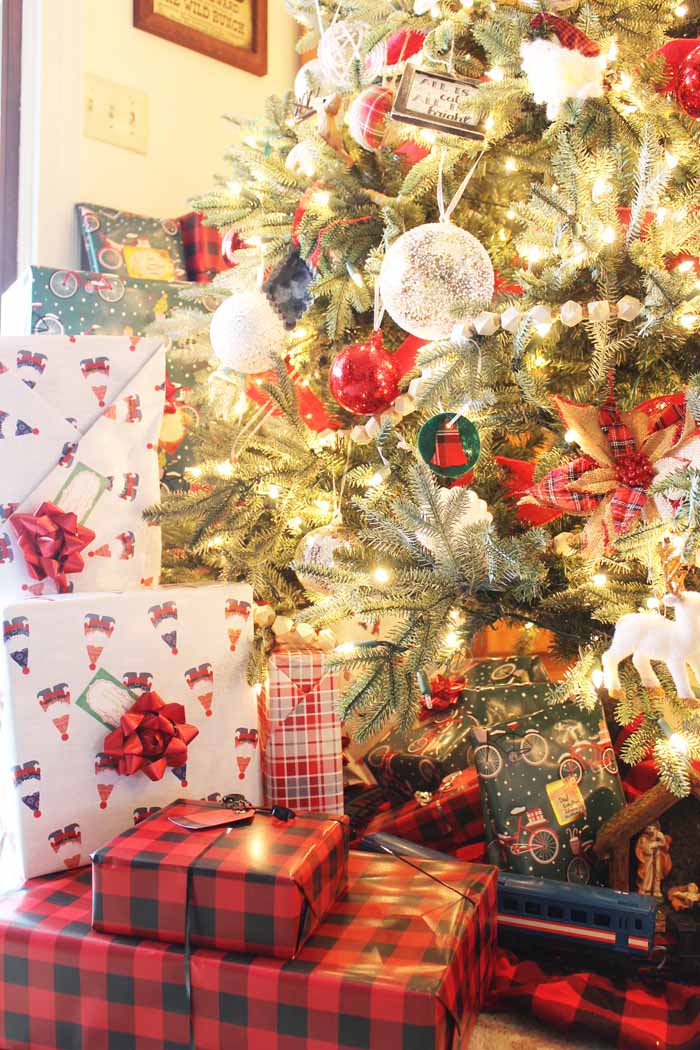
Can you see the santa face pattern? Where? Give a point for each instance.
(79, 424)
(72, 666)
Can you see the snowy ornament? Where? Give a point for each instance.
(309, 81)
(367, 116)
(568, 66)
(427, 271)
(246, 333)
(317, 548)
(341, 53)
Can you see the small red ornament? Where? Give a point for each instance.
(364, 378)
(403, 44)
(688, 90)
(367, 116)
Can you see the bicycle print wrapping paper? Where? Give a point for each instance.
(439, 743)
(79, 426)
(121, 242)
(72, 666)
(549, 781)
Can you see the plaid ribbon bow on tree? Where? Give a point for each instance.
(624, 453)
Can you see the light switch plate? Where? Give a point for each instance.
(116, 114)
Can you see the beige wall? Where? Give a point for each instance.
(187, 95)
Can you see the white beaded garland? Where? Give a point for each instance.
(246, 332)
(427, 270)
(341, 48)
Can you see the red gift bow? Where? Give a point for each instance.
(151, 736)
(444, 693)
(51, 541)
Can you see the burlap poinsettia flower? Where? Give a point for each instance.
(624, 453)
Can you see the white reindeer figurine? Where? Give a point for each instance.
(648, 636)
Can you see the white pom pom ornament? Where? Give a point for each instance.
(341, 48)
(246, 333)
(427, 271)
(367, 116)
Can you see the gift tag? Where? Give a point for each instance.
(219, 817)
(437, 101)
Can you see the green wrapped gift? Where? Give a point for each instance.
(121, 242)
(489, 706)
(497, 671)
(438, 744)
(47, 301)
(548, 781)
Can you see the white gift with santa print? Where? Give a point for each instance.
(71, 666)
(87, 411)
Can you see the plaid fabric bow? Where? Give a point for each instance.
(622, 456)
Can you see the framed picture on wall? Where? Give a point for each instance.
(232, 31)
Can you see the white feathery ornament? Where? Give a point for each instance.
(567, 65)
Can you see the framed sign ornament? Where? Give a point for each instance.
(232, 31)
(436, 101)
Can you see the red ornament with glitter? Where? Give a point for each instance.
(688, 90)
(364, 378)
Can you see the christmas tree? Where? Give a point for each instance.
(455, 363)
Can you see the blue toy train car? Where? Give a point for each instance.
(562, 913)
(578, 915)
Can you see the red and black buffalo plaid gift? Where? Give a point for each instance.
(262, 887)
(301, 739)
(202, 244)
(65, 987)
(402, 961)
(449, 818)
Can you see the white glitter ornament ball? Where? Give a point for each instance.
(246, 332)
(430, 269)
(341, 46)
(310, 81)
(317, 548)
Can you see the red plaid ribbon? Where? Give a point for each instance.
(302, 755)
(568, 35)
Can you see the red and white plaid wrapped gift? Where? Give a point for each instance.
(300, 733)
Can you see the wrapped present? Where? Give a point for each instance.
(130, 245)
(439, 744)
(80, 420)
(494, 672)
(261, 887)
(549, 781)
(115, 703)
(46, 301)
(301, 735)
(403, 959)
(445, 820)
(202, 245)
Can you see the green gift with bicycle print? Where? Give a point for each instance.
(549, 781)
(438, 744)
(120, 242)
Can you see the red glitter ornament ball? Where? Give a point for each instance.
(688, 90)
(363, 378)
